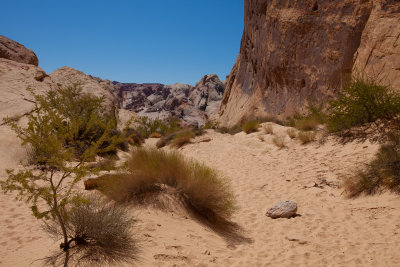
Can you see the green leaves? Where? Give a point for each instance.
(360, 102)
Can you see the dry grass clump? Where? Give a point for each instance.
(279, 141)
(306, 137)
(155, 135)
(100, 234)
(382, 173)
(268, 129)
(179, 138)
(292, 133)
(307, 123)
(182, 138)
(153, 171)
(250, 127)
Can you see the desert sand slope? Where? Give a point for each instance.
(329, 231)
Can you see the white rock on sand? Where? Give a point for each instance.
(331, 231)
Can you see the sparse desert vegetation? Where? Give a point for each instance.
(292, 133)
(250, 126)
(279, 141)
(153, 171)
(306, 136)
(100, 233)
(383, 173)
(363, 100)
(268, 129)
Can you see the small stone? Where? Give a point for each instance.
(285, 209)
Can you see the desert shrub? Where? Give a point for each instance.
(100, 233)
(179, 138)
(279, 141)
(85, 114)
(250, 127)
(362, 101)
(211, 124)
(292, 133)
(268, 129)
(105, 164)
(306, 136)
(237, 128)
(382, 173)
(314, 117)
(182, 138)
(146, 126)
(61, 154)
(152, 170)
(155, 135)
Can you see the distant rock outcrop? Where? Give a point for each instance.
(292, 51)
(191, 104)
(14, 51)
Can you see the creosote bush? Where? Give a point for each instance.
(66, 130)
(383, 173)
(100, 233)
(306, 136)
(362, 101)
(251, 127)
(153, 171)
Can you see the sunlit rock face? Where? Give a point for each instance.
(15, 51)
(292, 51)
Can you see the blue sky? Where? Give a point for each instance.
(163, 41)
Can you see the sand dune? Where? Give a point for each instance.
(329, 230)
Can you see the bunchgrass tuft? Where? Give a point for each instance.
(268, 129)
(306, 137)
(279, 141)
(292, 133)
(152, 171)
(383, 173)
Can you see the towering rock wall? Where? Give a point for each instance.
(292, 51)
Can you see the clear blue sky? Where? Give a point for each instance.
(163, 41)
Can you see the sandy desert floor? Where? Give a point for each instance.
(329, 230)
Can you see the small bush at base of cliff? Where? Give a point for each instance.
(153, 171)
(362, 101)
(251, 127)
(382, 173)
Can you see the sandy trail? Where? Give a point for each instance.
(329, 231)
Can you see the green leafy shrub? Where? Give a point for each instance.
(145, 126)
(382, 173)
(211, 124)
(64, 139)
(251, 127)
(86, 115)
(151, 170)
(360, 102)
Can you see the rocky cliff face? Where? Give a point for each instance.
(191, 104)
(14, 51)
(292, 51)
